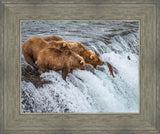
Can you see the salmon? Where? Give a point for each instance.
(110, 70)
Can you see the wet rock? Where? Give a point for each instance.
(101, 68)
(111, 35)
(66, 110)
(128, 58)
(57, 95)
(124, 33)
(33, 76)
(89, 68)
(107, 42)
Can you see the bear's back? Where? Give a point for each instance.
(51, 38)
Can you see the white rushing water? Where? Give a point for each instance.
(90, 90)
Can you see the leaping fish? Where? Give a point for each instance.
(110, 69)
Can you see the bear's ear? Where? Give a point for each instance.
(90, 51)
(82, 62)
(91, 57)
(64, 44)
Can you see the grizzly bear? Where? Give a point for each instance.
(55, 59)
(32, 47)
(88, 55)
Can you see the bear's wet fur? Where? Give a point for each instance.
(88, 55)
(62, 45)
(51, 38)
(54, 59)
(31, 48)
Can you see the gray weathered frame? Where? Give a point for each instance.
(146, 12)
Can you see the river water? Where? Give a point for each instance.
(90, 90)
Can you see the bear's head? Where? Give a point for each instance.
(62, 45)
(80, 63)
(92, 59)
(76, 60)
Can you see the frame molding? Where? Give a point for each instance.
(146, 12)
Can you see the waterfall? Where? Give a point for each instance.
(90, 90)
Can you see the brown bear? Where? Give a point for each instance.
(32, 47)
(55, 59)
(88, 55)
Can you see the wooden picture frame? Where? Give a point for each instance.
(12, 120)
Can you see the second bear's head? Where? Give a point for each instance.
(92, 59)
